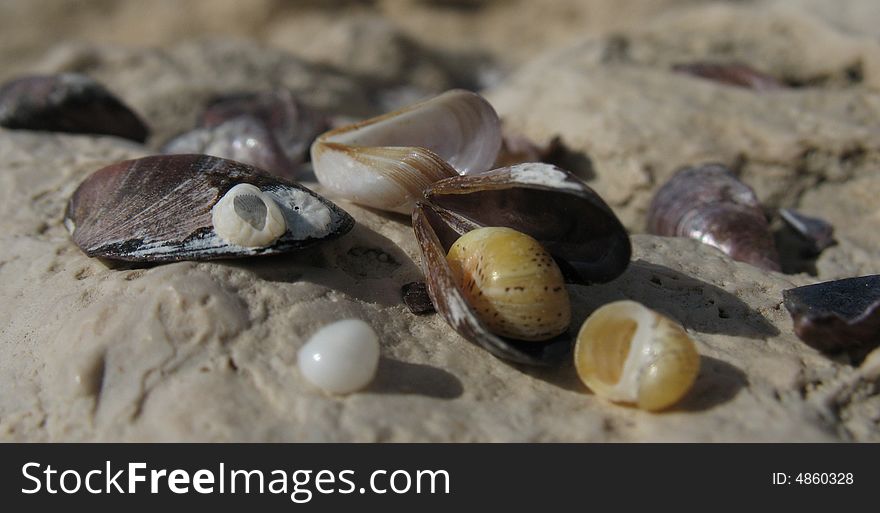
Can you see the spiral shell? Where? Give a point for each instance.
(511, 282)
(710, 204)
(248, 217)
(628, 353)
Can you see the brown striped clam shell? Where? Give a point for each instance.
(159, 209)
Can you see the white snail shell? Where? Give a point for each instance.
(248, 217)
(341, 357)
(626, 352)
(386, 162)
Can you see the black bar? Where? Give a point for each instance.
(527, 477)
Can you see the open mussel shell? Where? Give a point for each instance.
(67, 102)
(709, 203)
(837, 315)
(547, 203)
(162, 208)
(386, 162)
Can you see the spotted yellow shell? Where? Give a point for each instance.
(512, 283)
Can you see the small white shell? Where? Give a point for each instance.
(628, 353)
(248, 217)
(341, 357)
(457, 132)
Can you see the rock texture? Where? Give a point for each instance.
(91, 350)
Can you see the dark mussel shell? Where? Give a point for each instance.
(733, 74)
(158, 209)
(837, 315)
(710, 204)
(816, 233)
(67, 102)
(543, 201)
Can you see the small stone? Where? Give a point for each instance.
(416, 298)
(341, 357)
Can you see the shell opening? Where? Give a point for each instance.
(246, 216)
(626, 352)
(612, 348)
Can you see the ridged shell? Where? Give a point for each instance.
(628, 353)
(67, 102)
(457, 132)
(710, 204)
(159, 208)
(549, 204)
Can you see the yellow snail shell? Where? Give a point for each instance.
(626, 352)
(511, 282)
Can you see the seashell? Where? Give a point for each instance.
(244, 139)
(628, 353)
(195, 207)
(341, 357)
(67, 102)
(710, 204)
(511, 282)
(293, 125)
(734, 74)
(248, 217)
(837, 315)
(386, 162)
(817, 233)
(542, 201)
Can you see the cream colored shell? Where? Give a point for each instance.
(387, 162)
(511, 282)
(627, 353)
(248, 217)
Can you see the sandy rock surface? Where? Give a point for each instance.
(91, 350)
